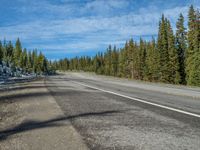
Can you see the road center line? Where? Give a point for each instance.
(140, 100)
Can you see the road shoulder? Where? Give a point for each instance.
(36, 121)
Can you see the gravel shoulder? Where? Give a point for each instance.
(31, 119)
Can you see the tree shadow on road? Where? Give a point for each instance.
(24, 87)
(9, 98)
(56, 122)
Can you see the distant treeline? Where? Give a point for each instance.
(28, 61)
(170, 58)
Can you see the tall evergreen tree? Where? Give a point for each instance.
(181, 46)
(24, 60)
(30, 63)
(18, 52)
(9, 51)
(152, 62)
(108, 61)
(122, 60)
(194, 72)
(114, 62)
(142, 58)
(34, 60)
(128, 58)
(174, 74)
(40, 60)
(45, 65)
(163, 50)
(1, 52)
(134, 57)
(190, 35)
(155, 62)
(194, 76)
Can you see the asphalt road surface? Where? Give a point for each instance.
(81, 111)
(113, 113)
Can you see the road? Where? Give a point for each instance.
(81, 111)
(124, 114)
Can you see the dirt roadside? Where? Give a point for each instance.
(31, 119)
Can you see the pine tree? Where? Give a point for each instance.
(21, 61)
(142, 58)
(24, 60)
(155, 61)
(174, 74)
(181, 46)
(45, 65)
(163, 51)
(128, 58)
(133, 57)
(30, 63)
(114, 62)
(34, 61)
(9, 51)
(18, 52)
(40, 60)
(194, 76)
(102, 60)
(108, 60)
(122, 60)
(152, 62)
(96, 64)
(1, 52)
(190, 35)
(148, 61)
(194, 72)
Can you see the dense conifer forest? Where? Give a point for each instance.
(170, 57)
(15, 61)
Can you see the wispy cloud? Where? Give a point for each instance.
(71, 27)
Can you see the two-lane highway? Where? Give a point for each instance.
(117, 113)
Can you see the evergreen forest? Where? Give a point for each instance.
(171, 57)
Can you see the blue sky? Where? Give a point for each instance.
(66, 28)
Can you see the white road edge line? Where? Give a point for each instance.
(140, 100)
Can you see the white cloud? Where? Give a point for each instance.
(91, 32)
(104, 7)
(120, 25)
